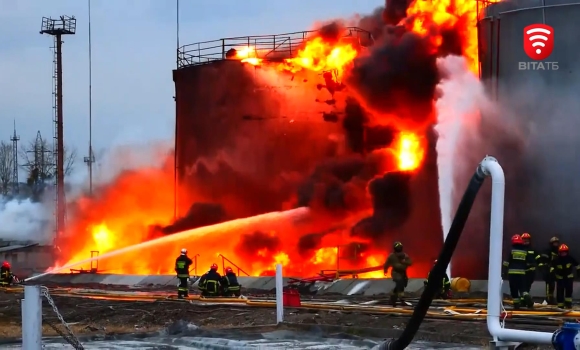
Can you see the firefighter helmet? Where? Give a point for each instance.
(517, 239)
(229, 270)
(554, 239)
(6, 264)
(183, 251)
(397, 245)
(563, 248)
(526, 236)
(214, 267)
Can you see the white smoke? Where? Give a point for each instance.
(131, 156)
(24, 220)
(132, 149)
(457, 113)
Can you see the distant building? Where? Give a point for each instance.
(27, 257)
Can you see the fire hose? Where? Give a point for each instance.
(438, 270)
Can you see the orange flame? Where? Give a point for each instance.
(431, 17)
(409, 151)
(320, 56)
(119, 217)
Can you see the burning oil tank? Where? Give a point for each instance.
(534, 100)
(230, 113)
(225, 104)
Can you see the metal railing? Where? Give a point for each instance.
(194, 269)
(350, 253)
(224, 259)
(265, 47)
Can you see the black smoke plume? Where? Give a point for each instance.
(250, 244)
(391, 88)
(391, 198)
(200, 214)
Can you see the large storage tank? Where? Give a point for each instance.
(501, 30)
(222, 103)
(539, 105)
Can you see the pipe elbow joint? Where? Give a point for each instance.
(482, 170)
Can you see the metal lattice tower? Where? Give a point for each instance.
(15, 138)
(64, 25)
(42, 164)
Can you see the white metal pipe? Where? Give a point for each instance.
(32, 318)
(279, 294)
(491, 167)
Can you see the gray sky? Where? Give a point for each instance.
(133, 53)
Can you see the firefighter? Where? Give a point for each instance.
(444, 287)
(565, 269)
(531, 261)
(209, 282)
(516, 266)
(229, 284)
(398, 261)
(182, 264)
(6, 276)
(545, 260)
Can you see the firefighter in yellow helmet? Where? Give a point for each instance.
(545, 260)
(565, 269)
(444, 286)
(398, 261)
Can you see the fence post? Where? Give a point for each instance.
(279, 295)
(32, 318)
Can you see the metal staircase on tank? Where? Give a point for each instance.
(233, 265)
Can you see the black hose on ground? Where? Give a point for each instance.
(438, 270)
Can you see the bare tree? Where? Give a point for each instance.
(6, 166)
(39, 160)
(70, 156)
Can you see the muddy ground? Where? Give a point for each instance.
(96, 316)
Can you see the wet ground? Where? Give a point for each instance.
(100, 319)
(270, 340)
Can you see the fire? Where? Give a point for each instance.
(249, 55)
(409, 151)
(316, 56)
(122, 214)
(326, 256)
(432, 16)
(320, 56)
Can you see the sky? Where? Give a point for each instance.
(133, 53)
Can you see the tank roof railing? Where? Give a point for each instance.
(266, 47)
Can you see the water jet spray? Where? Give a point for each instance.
(293, 214)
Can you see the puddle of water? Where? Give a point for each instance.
(184, 335)
(199, 343)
